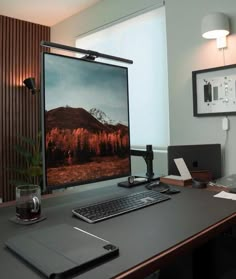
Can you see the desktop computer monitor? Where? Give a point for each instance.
(85, 121)
(202, 157)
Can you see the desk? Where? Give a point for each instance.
(148, 238)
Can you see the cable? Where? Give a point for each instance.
(224, 153)
(223, 53)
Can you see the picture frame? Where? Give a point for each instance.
(214, 91)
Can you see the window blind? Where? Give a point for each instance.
(143, 40)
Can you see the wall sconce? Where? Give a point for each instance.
(216, 26)
(30, 84)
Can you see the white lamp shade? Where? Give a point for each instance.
(215, 25)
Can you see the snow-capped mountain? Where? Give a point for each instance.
(102, 117)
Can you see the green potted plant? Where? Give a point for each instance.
(30, 171)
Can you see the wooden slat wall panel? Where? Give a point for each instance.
(19, 109)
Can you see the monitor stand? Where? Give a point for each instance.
(141, 179)
(133, 181)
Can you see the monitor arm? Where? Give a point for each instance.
(148, 157)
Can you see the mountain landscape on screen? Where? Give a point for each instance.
(80, 141)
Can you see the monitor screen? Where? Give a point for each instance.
(202, 157)
(85, 121)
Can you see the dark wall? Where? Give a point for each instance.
(19, 109)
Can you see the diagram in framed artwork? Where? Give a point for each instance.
(214, 91)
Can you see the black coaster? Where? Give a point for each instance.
(22, 222)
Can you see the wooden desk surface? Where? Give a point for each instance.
(148, 238)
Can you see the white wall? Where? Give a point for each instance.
(188, 51)
(97, 16)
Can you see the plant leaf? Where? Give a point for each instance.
(23, 152)
(35, 171)
(26, 140)
(18, 170)
(30, 151)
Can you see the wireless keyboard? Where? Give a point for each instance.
(109, 208)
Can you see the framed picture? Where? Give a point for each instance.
(214, 91)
